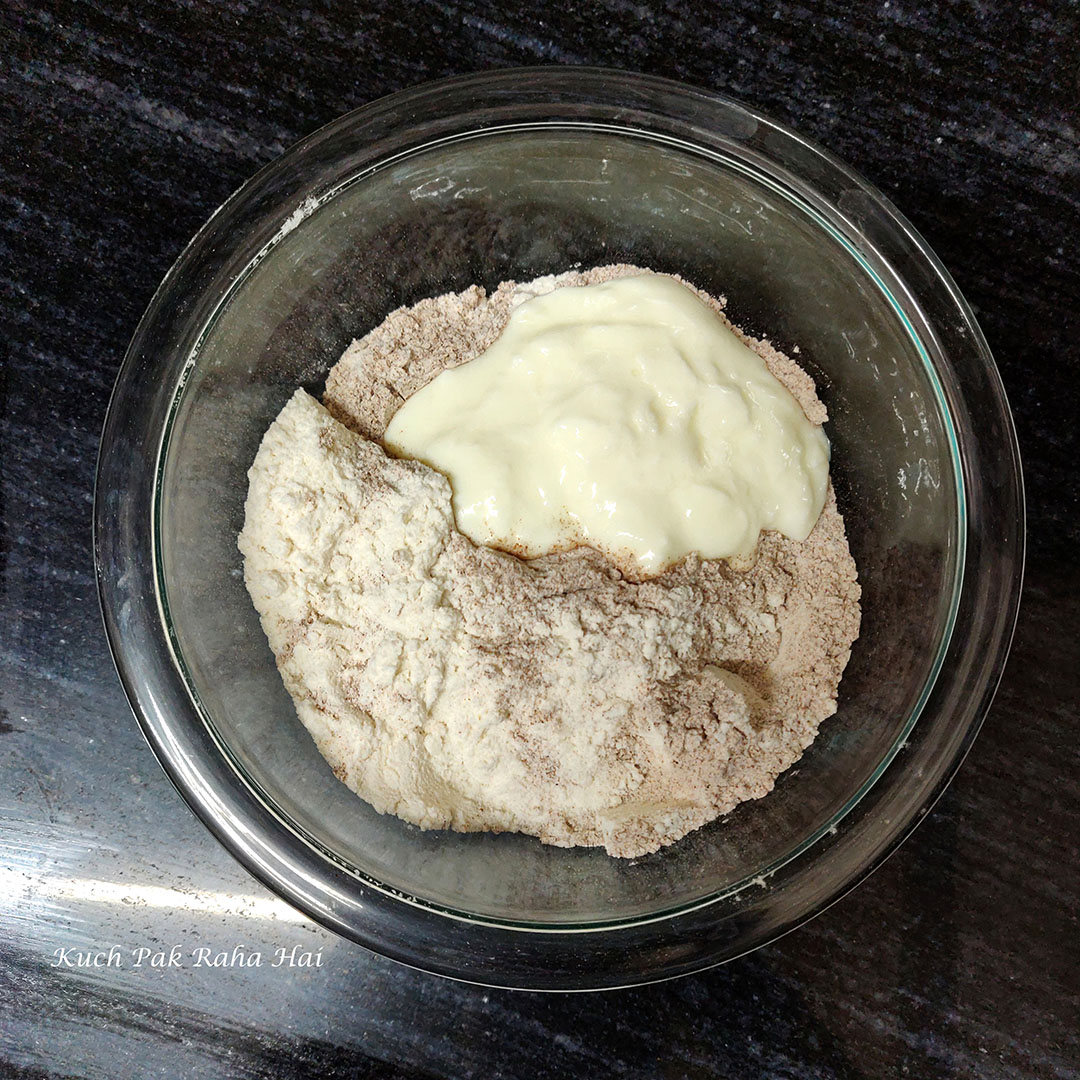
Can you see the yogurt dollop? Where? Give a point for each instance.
(626, 416)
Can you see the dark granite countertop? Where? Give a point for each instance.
(124, 127)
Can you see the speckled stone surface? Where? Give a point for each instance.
(124, 127)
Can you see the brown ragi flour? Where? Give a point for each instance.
(728, 706)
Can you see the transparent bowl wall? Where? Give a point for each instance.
(517, 205)
(513, 175)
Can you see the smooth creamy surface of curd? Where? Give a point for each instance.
(624, 415)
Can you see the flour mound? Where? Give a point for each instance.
(461, 687)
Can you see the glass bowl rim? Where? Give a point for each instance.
(160, 726)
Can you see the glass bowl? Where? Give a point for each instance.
(512, 175)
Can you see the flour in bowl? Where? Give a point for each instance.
(459, 686)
